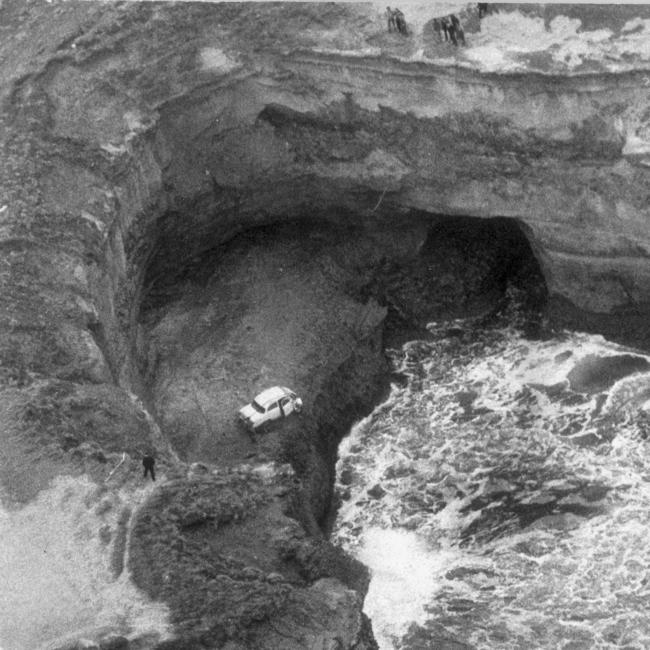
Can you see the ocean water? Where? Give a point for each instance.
(501, 494)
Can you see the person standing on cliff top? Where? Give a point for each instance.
(148, 461)
(390, 16)
(456, 32)
(437, 28)
(400, 21)
(445, 25)
(459, 32)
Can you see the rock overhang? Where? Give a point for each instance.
(550, 150)
(165, 150)
(447, 151)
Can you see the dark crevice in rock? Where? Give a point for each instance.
(98, 333)
(466, 267)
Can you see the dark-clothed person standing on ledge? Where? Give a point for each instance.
(148, 462)
(390, 16)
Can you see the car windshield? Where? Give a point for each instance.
(257, 407)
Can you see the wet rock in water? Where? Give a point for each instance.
(572, 399)
(552, 391)
(618, 634)
(466, 398)
(595, 492)
(345, 494)
(561, 521)
(535, 547)
(462, 572)
(460, 605)
(586, 439)
(642, 421)
(600, 401)
(595, 373)
(454, 332)
(414, 522)
(376, 491)
(399, 469)
(538, 499)
(562, 356)
(346, 476)
(416, 350)
(496, 486)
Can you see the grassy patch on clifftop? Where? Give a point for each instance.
(219, 550)
(215, 595)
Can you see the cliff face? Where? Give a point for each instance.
(151, 148)
(139, 138)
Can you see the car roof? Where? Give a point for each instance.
(273, 393)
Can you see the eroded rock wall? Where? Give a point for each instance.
(551, 152)
(135, 121)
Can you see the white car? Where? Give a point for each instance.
(271, 404)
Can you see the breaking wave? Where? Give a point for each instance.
(501, 495)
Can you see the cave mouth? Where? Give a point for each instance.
(302, 303)
(466, 267)
(422, 266)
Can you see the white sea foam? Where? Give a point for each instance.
(405, 577)
(495, 517)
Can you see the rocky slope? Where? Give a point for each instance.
(146, 147)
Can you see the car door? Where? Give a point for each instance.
(272, 411)
(286, 405)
